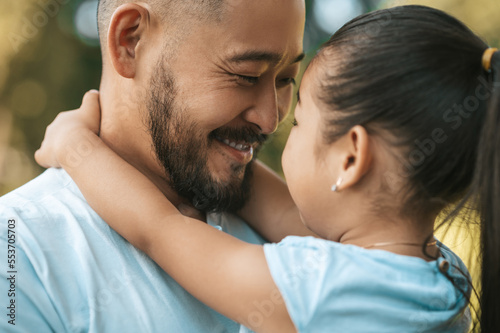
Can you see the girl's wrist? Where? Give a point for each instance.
(79, 145)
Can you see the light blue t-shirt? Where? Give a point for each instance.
(73, 273)
(330, 287)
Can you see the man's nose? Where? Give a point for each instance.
(265, 112)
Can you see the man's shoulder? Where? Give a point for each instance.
(50, 201)
(75, 272)
(42, 194)
(51, 183)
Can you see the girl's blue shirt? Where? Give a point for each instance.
(332, 287)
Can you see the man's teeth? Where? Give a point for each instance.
(237, 146)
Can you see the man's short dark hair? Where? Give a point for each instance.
(175, 11)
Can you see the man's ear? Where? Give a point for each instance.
(127, 27)
(355, 157)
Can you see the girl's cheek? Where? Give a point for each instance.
(284, 164)
(285, 158)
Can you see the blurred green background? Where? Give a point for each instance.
(49, 57)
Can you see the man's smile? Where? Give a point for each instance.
(241, 146)
(241, 151)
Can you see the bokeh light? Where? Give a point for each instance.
(332, 14)
(86, 22)
(28, 99)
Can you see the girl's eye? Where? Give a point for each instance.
(248, 79)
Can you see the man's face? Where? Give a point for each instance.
(212, 106)
(183, 150)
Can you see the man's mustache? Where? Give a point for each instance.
(244, 134)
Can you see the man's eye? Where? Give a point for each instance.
(248, 79)
(286, 82)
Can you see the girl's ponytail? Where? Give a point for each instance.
(487, 191)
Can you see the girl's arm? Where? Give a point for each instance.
(223, 272)
(270, 209)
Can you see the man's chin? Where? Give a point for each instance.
(226, 191)
(229, 180)
(228, 173)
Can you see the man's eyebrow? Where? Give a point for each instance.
(270, 57)
(299, 58)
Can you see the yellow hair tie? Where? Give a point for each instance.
(487, 55)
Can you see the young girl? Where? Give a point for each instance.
(397, 118)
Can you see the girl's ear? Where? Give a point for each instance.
(128, 26)
(353, 157)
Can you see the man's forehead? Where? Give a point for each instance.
(265, 30)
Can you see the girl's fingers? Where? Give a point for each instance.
(91, 110)
(42, 159)
(38, 158)
(67, 125)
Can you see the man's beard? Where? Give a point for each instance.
(183, 151)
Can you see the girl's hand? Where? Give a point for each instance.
(72, 135)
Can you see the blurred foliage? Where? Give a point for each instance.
(44, 69)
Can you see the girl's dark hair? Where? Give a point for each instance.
(487, 190)
(416, 73)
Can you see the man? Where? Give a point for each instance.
(190, 90)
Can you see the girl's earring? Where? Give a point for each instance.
(335, 187)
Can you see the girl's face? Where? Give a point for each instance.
(308, 174)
